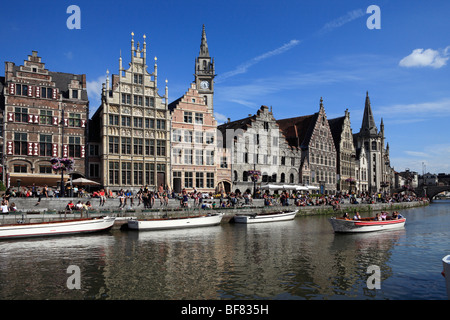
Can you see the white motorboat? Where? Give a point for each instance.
(365, 224)
(176, 222)
(265, 217)
(446, 273)
(55, 228)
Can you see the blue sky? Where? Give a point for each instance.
(284, 54)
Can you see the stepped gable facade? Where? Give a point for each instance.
(133, 128)
(256, 144)
(312, 135)
(45, 115)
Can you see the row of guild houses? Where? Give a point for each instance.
(308, 153)
(136, 138)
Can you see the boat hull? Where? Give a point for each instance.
(56, 228)
(176, 223)
(446, 273)
(269, 217)
(355, 226)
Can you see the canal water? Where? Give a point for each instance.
(299, 259)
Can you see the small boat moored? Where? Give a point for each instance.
(265, 217)
(365, 224)
(446, 273)
(176, 222)
(56, 228)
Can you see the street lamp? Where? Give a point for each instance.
(62, 151)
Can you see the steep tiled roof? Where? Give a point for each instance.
(298, 130)
(62, 81)
(336, 129)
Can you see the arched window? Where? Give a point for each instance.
(291, 178)
(235, 175)
(282, 178)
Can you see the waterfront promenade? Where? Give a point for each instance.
(54, 208)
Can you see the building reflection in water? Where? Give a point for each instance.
(300, 259)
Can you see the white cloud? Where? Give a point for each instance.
(426, 58)
(254, 93)
(68, 55)
(94, 90)
(244, 67)
(417, 111)
(417, 154)
(330, 26)
(435, 157)
(339, 22)
(221, 118)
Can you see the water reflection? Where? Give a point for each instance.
(37, 268)
(299, 259)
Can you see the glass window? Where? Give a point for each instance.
(74, 120)
(45, 145)
(187, 117)
(21, 114)
(75, 147)
(20, 144)
(113, 144)
(199, 180)
(126, 172)
(126, 145)
(46, 117)
(113, 172)
(199, 118)
(188, 183)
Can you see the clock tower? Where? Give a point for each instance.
(204, 73)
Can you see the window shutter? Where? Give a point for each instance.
(65, 151)
(55, 121)
(30, 91)
(55, 150)
(36, 119)
(83, 123)
(66, 122)
(30, 118)
(38, 92)
(9, 147)
(55, 93)
(82, 151)
(30, 148)
(11, 116)
(36, 149)
(12, 88)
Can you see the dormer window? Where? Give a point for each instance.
(74, 94)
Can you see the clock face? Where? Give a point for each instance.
(204, 84)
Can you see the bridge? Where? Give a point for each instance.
(425, 191)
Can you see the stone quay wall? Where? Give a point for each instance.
(54, 208)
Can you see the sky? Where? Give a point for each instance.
(285, 54)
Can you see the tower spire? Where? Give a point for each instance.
(368, 124)
(204, 52)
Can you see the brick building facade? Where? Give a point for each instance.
(44, 115)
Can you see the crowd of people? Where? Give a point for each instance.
(285, 198)
(148, 197)
(80, 206)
